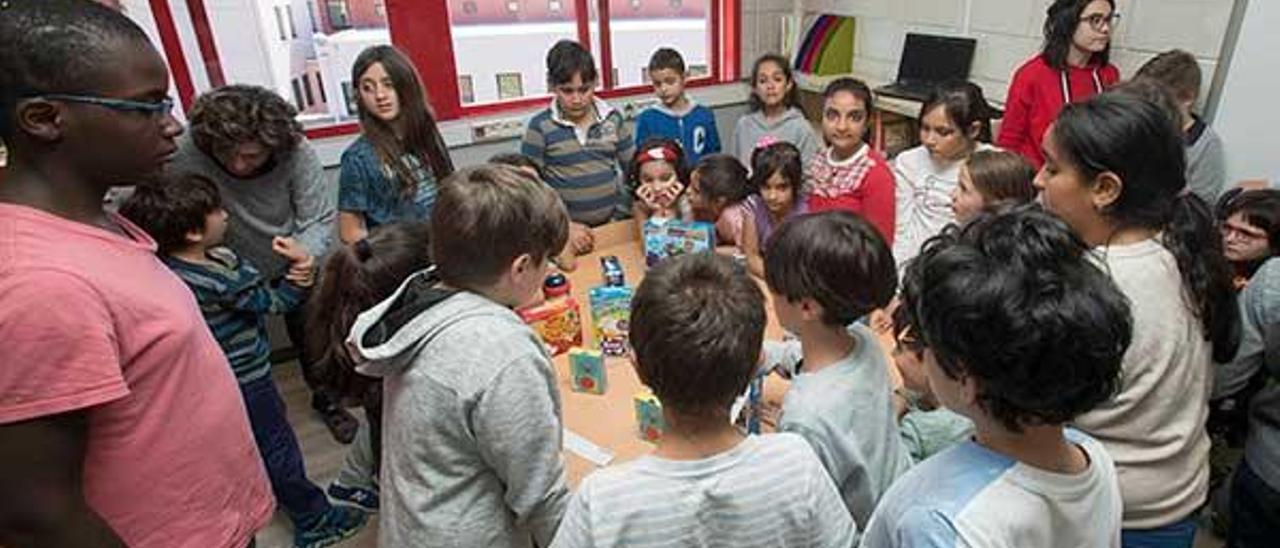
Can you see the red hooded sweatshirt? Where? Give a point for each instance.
(1036, 97)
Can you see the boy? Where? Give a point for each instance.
(120, 422)
(676, 116)
(471, 408)
(1179, 72)
(1022, 334)
(826, 271)
(185, 217)
(696, 326)
(581, 145)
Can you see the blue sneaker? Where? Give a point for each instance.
(354, 497)
(336, 525)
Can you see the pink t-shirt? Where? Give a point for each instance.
(91, 320)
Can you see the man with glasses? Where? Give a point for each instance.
(120, 422)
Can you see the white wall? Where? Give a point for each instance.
(1010, 31)
(1247, 118)
(762, 29)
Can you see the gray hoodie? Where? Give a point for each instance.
(471, 421)
(792, 127)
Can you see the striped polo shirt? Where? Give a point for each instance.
(583, 166)
(235, 301)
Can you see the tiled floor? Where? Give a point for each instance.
(324, 456)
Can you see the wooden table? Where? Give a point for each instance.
(608, 420)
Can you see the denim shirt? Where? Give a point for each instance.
(366, 185)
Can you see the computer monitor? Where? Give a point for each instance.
(929, 59)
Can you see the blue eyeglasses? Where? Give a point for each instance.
(156, 108)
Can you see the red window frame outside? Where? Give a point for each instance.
(421, 29)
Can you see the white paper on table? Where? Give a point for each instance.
(584, 448)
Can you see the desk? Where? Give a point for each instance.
(608, 420)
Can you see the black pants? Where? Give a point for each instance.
(1255, 510)
(296, 324)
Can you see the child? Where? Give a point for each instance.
(992, 179)
(186, 218)
(1046, 332)
(826, 271)
(955, 122)
(120, 422)
(390, 173)
(848, 174)
(1179, 72)
(471, 451)
(718, 187)
(926, 427)
(696, 326)
(676, 116)
(1250, 225)
(1114, 170)
(777, 176)
(774, 112)
(658, 181)
(581, 144)
(355, 278)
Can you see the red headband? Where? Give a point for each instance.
(665, 153)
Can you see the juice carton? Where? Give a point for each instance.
(587, 371)
(649, 416)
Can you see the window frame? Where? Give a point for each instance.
(424, 32)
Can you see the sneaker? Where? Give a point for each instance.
(354, 497)
(338, 524)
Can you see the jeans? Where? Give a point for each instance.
(302, 500)
(1255, 510)
(1180, 534)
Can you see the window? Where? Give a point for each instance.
(280, 23)
(467, 89)
(510, 86)
(293, 31)
(474, 56)
(297, 95)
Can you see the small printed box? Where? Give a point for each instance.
(665, 238)
(611, 270)
(611, 316)
(558, 322)
(587, 371)
(650, 425)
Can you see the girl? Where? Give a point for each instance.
(355, 278)
(717, 189)
(658, 181)
(1115, 171)
(954, 122)
(389, 174)
(991, 179)
(777, 176)
(1073, 66)
(775, 112)
(1250, 224)
(848, 174)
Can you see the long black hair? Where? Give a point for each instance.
(421, 139)
(1132, 138)
(1060, 24)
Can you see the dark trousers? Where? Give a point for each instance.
(1255, 510)
(302, 500)
(295, 323)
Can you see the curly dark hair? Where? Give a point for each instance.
(1012, 303)
(229, 116)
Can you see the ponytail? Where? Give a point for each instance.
(355, 278)
(1192, 237)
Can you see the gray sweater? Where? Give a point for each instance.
(792, 127)
(1206, 167)
(471, 421)
(292, 199)
(1259, 354)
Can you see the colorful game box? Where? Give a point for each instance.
(559, 319)
(649, 416)
(611, 316)
(665, 238)
(587, 371)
